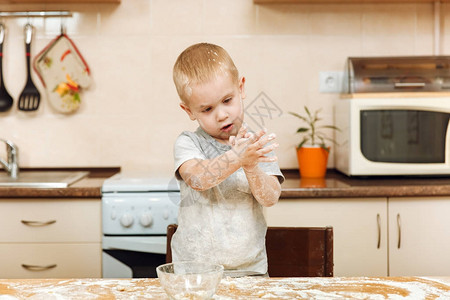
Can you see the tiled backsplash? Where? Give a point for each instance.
(130, 116)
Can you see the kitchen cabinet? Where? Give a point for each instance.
(359, 227)
(362, 226)
(50, 238)
(343, 1)
(419, 236)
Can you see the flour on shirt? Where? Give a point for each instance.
(224, 224)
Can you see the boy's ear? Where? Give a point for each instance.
(187, 110)
(241, 87)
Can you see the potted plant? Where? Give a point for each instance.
(312, 151)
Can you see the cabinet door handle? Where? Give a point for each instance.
(37, 223)
(399, 226)
(379, 230)
(38, 268)
(408, 84)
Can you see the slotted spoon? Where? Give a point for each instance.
(6, 100)
(30, 97)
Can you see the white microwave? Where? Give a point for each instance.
(393, 136)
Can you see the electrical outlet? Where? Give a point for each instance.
(331, 81)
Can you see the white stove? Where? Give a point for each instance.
(136, 210)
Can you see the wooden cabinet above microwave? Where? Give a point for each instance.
(342, 1)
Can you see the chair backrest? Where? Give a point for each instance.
(170, 231)
(300, 251)
(291, 251)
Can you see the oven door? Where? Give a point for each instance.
(132, 256)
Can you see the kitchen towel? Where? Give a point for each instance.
(63, 72)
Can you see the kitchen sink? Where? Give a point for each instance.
(42, 179)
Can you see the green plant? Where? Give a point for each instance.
(312, 133)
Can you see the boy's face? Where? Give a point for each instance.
(217, 106)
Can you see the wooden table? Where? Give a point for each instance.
(234, 288)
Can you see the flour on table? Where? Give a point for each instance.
(373, 288)
(336, 288)
(86, 289)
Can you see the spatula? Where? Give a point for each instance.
(29, 98)
(6, 100)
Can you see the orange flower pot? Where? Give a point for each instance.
(312, 161)
(310, 182)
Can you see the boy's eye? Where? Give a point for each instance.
(206, 109)
(227, 100)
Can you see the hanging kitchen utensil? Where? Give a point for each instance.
(30, 97)
(6, 101)
(63, 72)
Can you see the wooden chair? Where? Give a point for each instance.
(291, 251)
(170, 231)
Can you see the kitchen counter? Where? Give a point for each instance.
(234, 288)
(337, 185)
(88, 187)
(334, 185)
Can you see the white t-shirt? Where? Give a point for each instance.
(224, 224)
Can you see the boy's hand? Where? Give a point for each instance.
(250, 149)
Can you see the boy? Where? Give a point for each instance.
(227, 173)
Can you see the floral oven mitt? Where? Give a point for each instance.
(63, 72)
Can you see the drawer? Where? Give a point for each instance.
(49, 220)
(50, 260)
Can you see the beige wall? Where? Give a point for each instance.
(130, 115)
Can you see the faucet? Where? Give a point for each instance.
(12, 164)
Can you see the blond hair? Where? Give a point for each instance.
(201, 63)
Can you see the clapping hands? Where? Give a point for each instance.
(251, 148)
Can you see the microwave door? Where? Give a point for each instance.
(404, 136)
(447, 144)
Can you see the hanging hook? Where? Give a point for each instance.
(28, 33)
(2, 33)
(63, 25)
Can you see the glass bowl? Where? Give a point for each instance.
(189, 280)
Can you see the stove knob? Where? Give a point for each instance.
(126, 220)
(146, 219)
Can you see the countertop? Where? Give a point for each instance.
(337, 185)
(88, 187)
(334, 185)
(234, 288)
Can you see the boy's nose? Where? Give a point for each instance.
(221, 115)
